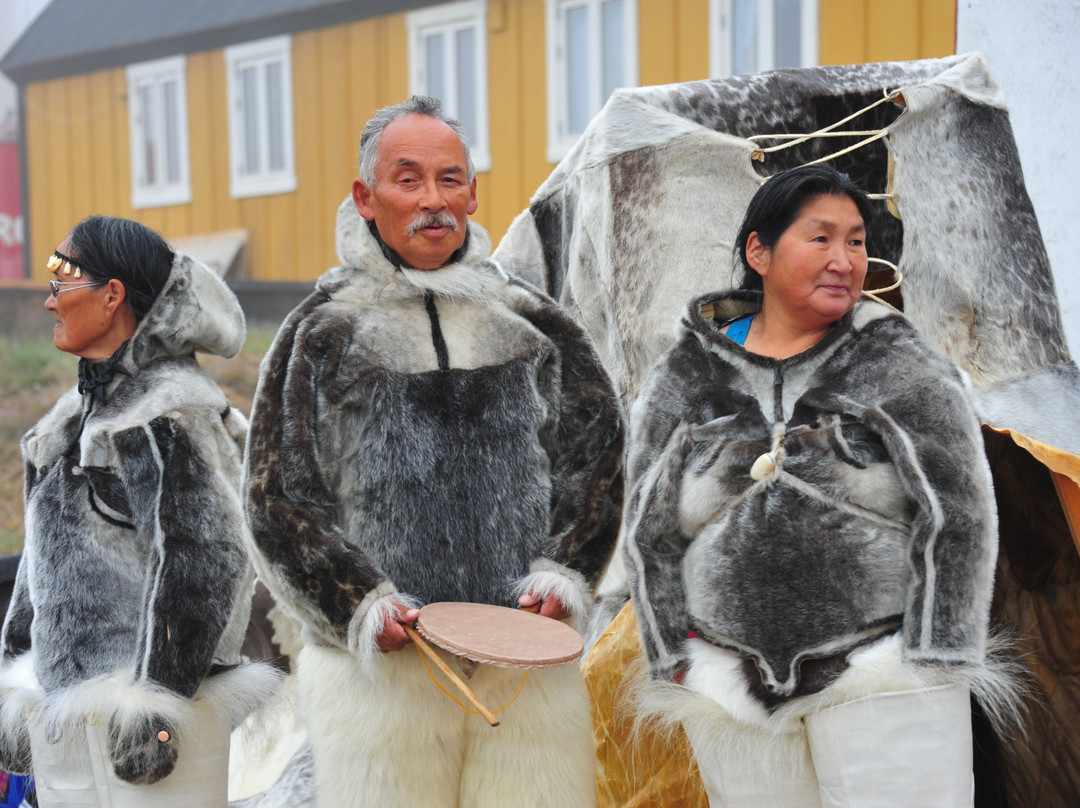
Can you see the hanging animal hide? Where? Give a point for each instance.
(641, 215)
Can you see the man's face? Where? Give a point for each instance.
(422, 194)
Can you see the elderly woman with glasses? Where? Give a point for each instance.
(120, 675)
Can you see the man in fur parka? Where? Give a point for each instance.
(427, 429)
(121, 645)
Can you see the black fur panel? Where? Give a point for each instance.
(445, 484)
(586, 450)
(83, 566)
(199, 559)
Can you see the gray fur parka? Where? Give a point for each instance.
(447, 435)
(134, 585)
(792, 510)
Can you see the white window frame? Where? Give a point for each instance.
(448, 19)
(154, 75)
(560, 140)
(260, 54)
(720, 16)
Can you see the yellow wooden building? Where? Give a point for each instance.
(245, 116)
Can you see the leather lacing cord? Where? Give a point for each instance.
(454, 698)
(869, 136)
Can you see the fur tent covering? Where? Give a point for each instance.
(640, 217)
(134, 588)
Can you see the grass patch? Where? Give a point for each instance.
(11, 541)
(31, 364)
(34, 374)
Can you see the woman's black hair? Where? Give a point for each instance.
(781, 200)
(107, 247)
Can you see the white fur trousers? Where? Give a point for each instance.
(397, 741)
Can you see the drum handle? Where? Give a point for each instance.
(466, 691)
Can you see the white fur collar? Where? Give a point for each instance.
(364, 263)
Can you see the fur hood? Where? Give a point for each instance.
(793, 510)
(358, 250)
(195, 312)
(367, 273)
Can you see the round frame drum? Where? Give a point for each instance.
(496, 635)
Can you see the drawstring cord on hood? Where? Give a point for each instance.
(95, 375)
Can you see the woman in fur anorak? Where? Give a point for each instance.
(121, 643)
(811, 533)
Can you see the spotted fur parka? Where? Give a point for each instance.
(134, 587)
(452, 437)
(792, 510)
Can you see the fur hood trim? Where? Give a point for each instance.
(195, 311)
(364, 265)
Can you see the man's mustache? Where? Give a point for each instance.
(432, 220)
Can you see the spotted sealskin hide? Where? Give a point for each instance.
(134, 587)
(449, 439)
(873, 512)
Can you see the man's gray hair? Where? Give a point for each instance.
(413, 105)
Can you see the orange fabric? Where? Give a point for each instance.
(634, 771)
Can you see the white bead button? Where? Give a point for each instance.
(763, 466)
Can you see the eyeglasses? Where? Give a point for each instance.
(60, 286)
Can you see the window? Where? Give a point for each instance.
(260, 117)
(448, 59)
(592, 50)
(746, 36)
(157, 117)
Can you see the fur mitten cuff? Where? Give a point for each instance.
(547, 578)
(367, 623)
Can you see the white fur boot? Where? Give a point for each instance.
(911, 748)
(750, 767)
(77, 770)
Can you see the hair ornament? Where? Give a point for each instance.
(70, 265)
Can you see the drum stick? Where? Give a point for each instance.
(422, 644)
